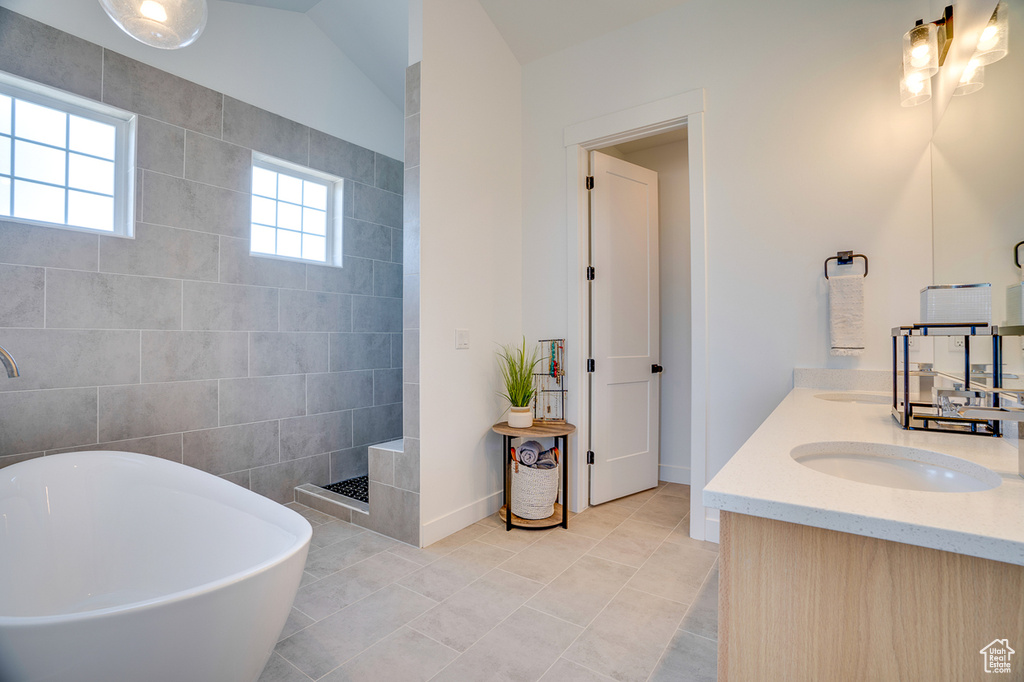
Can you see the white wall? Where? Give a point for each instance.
(470, 257)
(277, 60)
(670, 162)
(807, 151)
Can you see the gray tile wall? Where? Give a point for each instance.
(178, 343)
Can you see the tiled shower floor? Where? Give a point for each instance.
(625, 594)
(357, 488)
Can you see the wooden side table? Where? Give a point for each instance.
(539, 430)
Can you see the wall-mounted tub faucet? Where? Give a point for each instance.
(9, 363)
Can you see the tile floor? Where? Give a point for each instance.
(625, 594)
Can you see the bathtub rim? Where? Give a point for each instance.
(300, 545)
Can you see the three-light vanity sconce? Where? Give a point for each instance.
(925, 47)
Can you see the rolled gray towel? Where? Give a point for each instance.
(547, 459)
(529, 452)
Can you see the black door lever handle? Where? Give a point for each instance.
(657, 369)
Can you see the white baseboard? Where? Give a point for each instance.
(443, 526)
(674, 474)
(712, 530)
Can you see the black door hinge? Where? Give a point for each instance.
(590, 182)
(657, 369)
(590, 273)
(590, 456)
(590, 365)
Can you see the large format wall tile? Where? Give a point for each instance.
(132, 85)
(250, 400)
(228, 307)
(238, 267)
(161, 252)
(360, 351)
(376, 314)
(87, 300)
(32, 421)
(312, 311)
(160, 147)
(232, 448)
(176, 202)
(339, 391)
(218, 163)
(387, 386)
(389, 174)
(373, 424)
(265, 132)
(44, 54)
(22, 292)
(377, 206)
(355, 277)
(178, 342)
(190, 356)
(338, 157)
(278, 481)
(273, 353)
(315, 435)
(154, 409)
(44, 246)
(50, 358)
(367, 240)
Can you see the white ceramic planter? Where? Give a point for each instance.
(520, 417)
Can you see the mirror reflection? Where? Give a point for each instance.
(978, 195)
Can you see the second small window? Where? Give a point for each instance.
(293, 212)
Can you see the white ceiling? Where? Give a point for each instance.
(374, 34)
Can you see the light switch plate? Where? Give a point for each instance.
(461, 339)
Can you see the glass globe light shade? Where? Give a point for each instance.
(915, 88)
(972, 80)
(993, 44)
(921, 50)
(166, 24)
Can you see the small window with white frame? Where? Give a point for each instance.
(65, 161)
(295, 212)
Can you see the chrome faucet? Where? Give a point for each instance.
(1004, 414)
(9, 363)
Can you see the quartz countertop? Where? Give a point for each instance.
(762, 479)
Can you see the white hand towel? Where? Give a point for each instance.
(846, 314)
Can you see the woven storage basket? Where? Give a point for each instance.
(534, 491)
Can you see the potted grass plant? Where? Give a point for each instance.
(517, 374)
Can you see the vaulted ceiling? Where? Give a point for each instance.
(374, 33)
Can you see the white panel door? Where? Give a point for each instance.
(624, 328)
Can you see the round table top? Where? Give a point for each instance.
(539, 429)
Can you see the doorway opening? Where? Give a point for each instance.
(667, 155)
(642, 124)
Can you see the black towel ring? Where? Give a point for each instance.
(846, 258)
(1016, 253)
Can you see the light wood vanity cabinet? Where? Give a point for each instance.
(801, 603)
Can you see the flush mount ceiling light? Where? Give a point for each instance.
(166, 24)
(924, 50)
(993, 43)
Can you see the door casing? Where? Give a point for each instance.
(686, 109)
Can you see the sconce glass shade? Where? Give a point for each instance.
(994, 41)
(921, 50)
(915, 88)
(166, 24)
(972, 80)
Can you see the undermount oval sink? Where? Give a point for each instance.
(853, 397)
(896, 466)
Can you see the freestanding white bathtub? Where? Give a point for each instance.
(118, 567)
